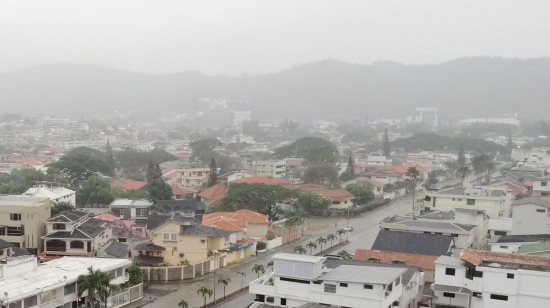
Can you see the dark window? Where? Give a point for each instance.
(499, 297)
(317, 281)
(543, 183)
(454, 235)
(330, 288)
(270, 299)
(500, 232)
(260, 298)
(426, 232)
(389, 287)
(541, 211)
(14, 231)
(77, 244)
(15, 216)
(545, 194)
(294, 280)
(427, 198)
(343, 284)
(510, 276)
(439, 233)
(283, 301)
(504, 247)
(450, 271)
(478, 274)
(367, 286)
(471, 201)
(447, 294)
(396, 304)
(58, 226)
(476, 294)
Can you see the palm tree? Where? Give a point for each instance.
(300, 249)
(331, 237)
(413, 177)
(321, 241)
(390, 188)
(270, 265)
(344, 254)
(479, 164)
(258, 268)
(464, 172)
(311, 246)
(225, 282)
(94, 282)
(154, 209)
(243, 274)
(183, 304)
(203, 291)
(340, 233)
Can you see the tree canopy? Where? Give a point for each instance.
(300, 145)
(325, 174)
(436, 142)
(362, 192)
(313, 201)
(203, 149)
(81, 163)
(93, 192)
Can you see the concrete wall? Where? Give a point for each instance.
(276, 242)
(530, 219)
(257, 231)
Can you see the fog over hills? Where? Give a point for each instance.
(325, 89)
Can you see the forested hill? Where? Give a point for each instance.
(327, 89)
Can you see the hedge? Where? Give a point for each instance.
(353, 211)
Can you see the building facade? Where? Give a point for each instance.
(271, 168)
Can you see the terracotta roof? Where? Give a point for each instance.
(528, 183)
(222, 222)
(306, 187)
(215, 192)
(107, 217)
(403, 168)
(260, 180)
(241, 217)
(339, 194)
(424, 262)
(478, 257)
(370, 181)
(131, 184)
(178, 190)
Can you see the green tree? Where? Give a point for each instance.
(213, 176)
(321, 240)
(325, 174)
(183, 304)
(258, 268)
(110, 159)
(321, 155)
(204, 291)
(159, 190)
(311, 245)
(351, 166)
(363, 193)
(298, 147)
(12, 189)
(270, 265)
(386, 147)
(96, 282)
(432, 179)
(461, 157)
(331, 237)
(136, 274)
(94, 191)
(464, 172)
(312, 201)
(203, 149)
(389, 188)
(242, 274)
(158, 173)
(413, 177)
(346, 176)
(154, 209)
(81, 163)
(133, 194)
(300, 249)
(150, 175)
(225, 282)
(61, 206)
(344, 255)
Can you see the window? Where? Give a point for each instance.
(295, 280)
(510, 276)
(427, 198)
(447, 294)
(545, 194)
(389, 287)
(458, 199)
(15, 216)
(478, 274)
(367, 286)
(454, 235)
(541, 211)
(140, 212)
(470, 201)
(343, 284)
(77, 245)
(477, 294)
(330, 288)
(504, 247)
(283, 301)
(174, 237)
(166, 236)
(454, 199)
(543, 183)
(499, 297)
(58, 226)
(500, 232)
(450, 271)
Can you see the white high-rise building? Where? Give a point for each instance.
(241, 117)
(428, 116)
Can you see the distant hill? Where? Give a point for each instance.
(326, 89)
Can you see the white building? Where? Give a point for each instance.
(391, 136)
(378, 159)
(129, 209)
(537, 156)
(469, 121)
(241, 117)
(56, 192)
(531, 216)
(427, 116)
(300, 280)
(271, 168)
(54, 284)
(541, 187)
(487, 279)
(193, 177)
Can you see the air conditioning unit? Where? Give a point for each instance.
(387, 293)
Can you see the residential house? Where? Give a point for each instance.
(378, 159)
(194, 177)
(124, 231)
(175, 238)
(235, 175)
(494, 200)
(131, 185)
(75, 233)
(115, 250)
(212, 195)
(129, 209)
(271, 168)
(531, 216)
(341, 198)
(260, 180)
(424, 263)
(9, 250)
(56, 192)
(22, 221)
(537, 156)
(524, 170)
(482, 278)
(54, 283)
(181, 193)
(541, 187)
(307, 281)
(415, 243)
(377, 187)
(186, 208)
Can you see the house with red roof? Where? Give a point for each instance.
(212, 195)
(180, 193)
(252, 224)
(261, 180)
(341, 198)
(377, 187)
(131, 184)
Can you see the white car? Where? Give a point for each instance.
(349, 228)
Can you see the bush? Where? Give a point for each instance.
(261, 246)
(270, 236)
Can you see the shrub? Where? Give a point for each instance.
(261, 246)
(270, 236)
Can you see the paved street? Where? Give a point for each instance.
(364, 234)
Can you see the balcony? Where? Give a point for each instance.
(125, 297)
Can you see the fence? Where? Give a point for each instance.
(276, 242)
(179, 273)
(126, 296)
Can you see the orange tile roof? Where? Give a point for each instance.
(107, 217)
(241, 217)
(178, 190)
(370, 181)
(403, 168)
(388, 257)
(131, 184)
(478, 257)
(222, 222)
(260, 180)
(217, 191)
(339, 194)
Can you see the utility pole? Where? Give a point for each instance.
(347, 228)
(214, 281)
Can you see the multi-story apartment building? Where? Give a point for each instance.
(541, 187)
(271, 168)
(391, 136)
(537, 156)
(241, 117)
(299, 280)
(495, 201)
(486, 279)
(56, 192)
(427, 116)
(530, 216)
(193, 177)
(22, 221)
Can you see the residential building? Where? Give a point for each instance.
(54, 283)
(424, 263)
(240, 117)
(513, 243)
(22, 221)
(541, 187)
(75, 233)
(494, 200)
(253, 225)
(131, 185)
(124, 231)
(392, 136)
(9, 164)
(175, 238)
(193, 177)
(8, 250)
(531, 216)
(524, 170)
(271, 168)
(181, 193)
(408, 242)
(56, 192)
(427, 116)
(537, 156)
(469, 121)
(261, 180)
(377, 187)
(341, 198)
(129, 209)
(482, 278)
(305, 281)
(378, 159)
(186, 208)
(212, 195)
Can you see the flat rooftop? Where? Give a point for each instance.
(10, 200)
(363, 274)
(428, 224)
(298, 258)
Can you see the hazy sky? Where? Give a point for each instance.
(259, 36)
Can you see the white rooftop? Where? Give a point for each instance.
(54, 274)
(446, 260)
(364, 274)
(124, 202)
(17, 200)
(45, 192)
(299, 258)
